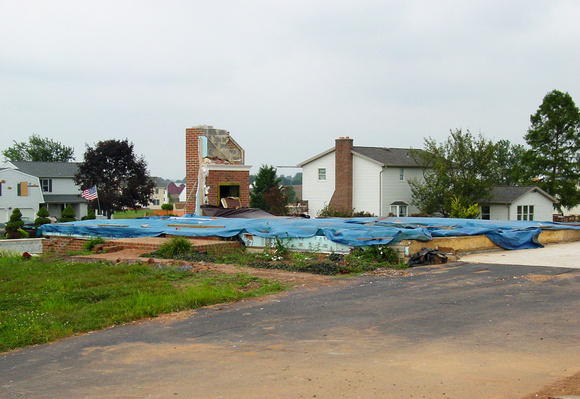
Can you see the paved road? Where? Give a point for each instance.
(452, 331)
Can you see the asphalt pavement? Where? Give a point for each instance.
(460, 330)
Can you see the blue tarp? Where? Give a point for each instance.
(352, 232)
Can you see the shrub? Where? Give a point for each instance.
(90, 244)
(14, 226)
(42, 217)
(67, 215)
(90, 215)
(167, 207)
(330, 212)
(175, 246)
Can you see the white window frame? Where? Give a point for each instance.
(525, 212)
(401, 211)
(402, 174)
(321, 174)
(46, 185)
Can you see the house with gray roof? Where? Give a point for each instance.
(518, 203)
(370, 179)
(56, 185)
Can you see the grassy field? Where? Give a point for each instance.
(133, 214)
(42, 299)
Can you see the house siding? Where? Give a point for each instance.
(9, 199)
(366, 185)
(543, 207)
(394, 189)
(499, 212)
(318, 193)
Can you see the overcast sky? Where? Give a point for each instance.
(285, 78)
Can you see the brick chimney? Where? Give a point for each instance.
(192, 164)
(342, 197)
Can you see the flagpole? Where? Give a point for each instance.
(98, 201)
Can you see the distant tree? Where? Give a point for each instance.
(457, 168)
(38, 149)
(265, 180)
(554, 137)
(167, 207)
(121, 178)
(67, 215)
(42, 217)
(297, 179)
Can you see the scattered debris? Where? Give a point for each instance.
(427, 256)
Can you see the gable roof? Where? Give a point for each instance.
(389, 156)
(172, 188)
(47, 169)
(384, 156)
(509, 194)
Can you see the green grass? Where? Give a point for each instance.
(42, 299)
(139, 213)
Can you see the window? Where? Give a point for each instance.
(321, 174)
(22, 189)
(485, 212)
(399, 210)
(155, 202)
(46, 185)
(401, 174)
(156, 192)
(525, 212)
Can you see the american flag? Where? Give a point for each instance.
(90, 193)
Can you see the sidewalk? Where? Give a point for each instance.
(555, 255)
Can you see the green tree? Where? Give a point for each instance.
(42, 217)
(462, 209)
(121, 178)
(39, 149)
(458, 167)
(67, 215)
(297, 179)
(554, 137)
(264, 181)
(508, 164)
(14, 226)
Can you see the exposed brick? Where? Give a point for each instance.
(342, 199)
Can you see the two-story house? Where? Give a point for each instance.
(56, 188)
(370, 179)
(18, 190)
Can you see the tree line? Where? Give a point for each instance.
(461, 171)
(458, 173)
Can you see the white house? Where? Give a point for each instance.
(370, 179)
(19, 190)
(56, 185)
(518, 203)
(160, 194)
